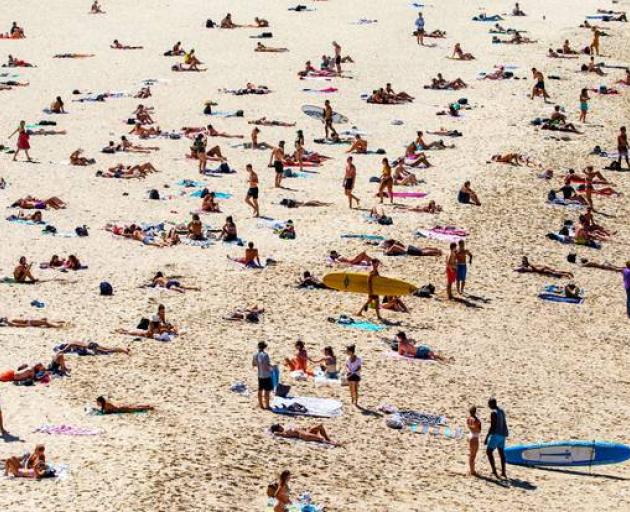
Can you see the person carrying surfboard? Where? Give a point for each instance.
(372, 299)
(495, 439)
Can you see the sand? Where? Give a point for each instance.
(559, 371)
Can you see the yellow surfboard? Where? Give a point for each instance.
(355, 282)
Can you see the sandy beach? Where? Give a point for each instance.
(560, 371)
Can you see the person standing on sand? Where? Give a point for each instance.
(451, 270)
(328, 119)
(337, 49)
(2, 431)
(497, 434)
(594, 46)
(349, 180)
(252, 192)
(353, 373)
(584, 99)
(622, 146)
(626, 285)
(372, 298)
(22, 141)
(462, 269)
(420, 29)
(277, 162)
(474, 427)
(262, 363)
(280, 492)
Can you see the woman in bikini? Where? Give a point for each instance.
(22, 271)
(209, 204)
(228, 231)
(42, 323)
(458, 53)
(195, 228)
(107, 407)
(474, 427)
(387, 182)
(281, 493)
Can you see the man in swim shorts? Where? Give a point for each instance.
(497, 434)
(451, 272)
(276, 160)
(337, 49)
(348, 181)
(262, 363)
(622, 146)
(461, 269)
(252, 192)
(328, 119)
(420, 29)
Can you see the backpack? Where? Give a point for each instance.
(81, 231)
(266, 35)
(551, 196)
(224, 167)
(154, 194)
(106, 289)
(210, 23)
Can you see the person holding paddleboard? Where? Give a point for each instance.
(372, 299)
(497, 434)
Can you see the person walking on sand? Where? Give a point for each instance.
(328, 119)
(474, 428)
(349, 181)
(626, 285)
(372, 297)
(387, 182)
(594, 46)
(451, 270)
(462, 269)
(420, 29)
(353, 373)
(22, 141)
(276, 160)
(495, 439)
(584, 99)
(262, 363)
(252, 192)
(622, 146)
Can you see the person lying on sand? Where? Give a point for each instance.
(117, 46)
(107, 407)
(408, 348)
(160, 281)
(421, 144)
(32, 203)
(145, 133)
(528, 268)
(382, 97)
(128, 171)
(73, 55)
(181, 67)
(292, 203)
(432, 207)
(512, 159)
(82, 348)
(400, 96)
(517, 38)
(315, 434)
(76, 159)
(459, 54)
(211, 132)
(250, 314)
(36, 217)
(393, 247)
(556, 55)
(441, 83)
(41, 323)
(586, 263)
(310, 281)
(263, 121)
(360, 259)
(268, 49)
(128, 147)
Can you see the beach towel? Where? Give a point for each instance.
(204, 244)
(217, 195)
(363, 237)
(558, 201)
(442, 237)
(361, 325)
(190, 183)
(17, 220)
(67, 430)
(410, 417)
(326, 90)
(552, 297)
(307, 406)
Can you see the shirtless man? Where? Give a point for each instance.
(460, 257)
(96, 8)
(451, 270)
(349, 179)
(252, 192)
(594, 46)
(422, 144)
(255, 144)
(315, 434)
(359, 145)
(263, 121)
(527, 267)
(328, 119)
(251, 259)
(372, 298)
(585, 263)
(276, 161)
(539, 85)
(22, 272)
(622, 146)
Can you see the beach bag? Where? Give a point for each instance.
(239, 113)
(50, 229)
(426, 291)
(106, 289)
(131, 121)
(143, 325)
(266, 35)
(614, 166)
(282, 390)
(385, 221)
(224, 167)
(210, 23)
(551, 196)
(81, 231)
(154, 194)
(252, 317)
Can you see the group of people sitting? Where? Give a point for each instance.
(439, 83)
(387, 96)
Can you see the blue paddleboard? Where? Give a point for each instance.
(567, 453)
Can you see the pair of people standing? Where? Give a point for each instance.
(495, 438)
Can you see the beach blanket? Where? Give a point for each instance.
(17, 220)
(553, 293)
(363, 237)
(361, 325)
(410, 417)
(441, 235)
(67, 430)
(307, 406)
